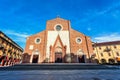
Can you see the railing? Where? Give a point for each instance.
(1, 46)
(107, 50)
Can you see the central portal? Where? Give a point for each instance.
(58, 57)
(81, 59)
(35, 59)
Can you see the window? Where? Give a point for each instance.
(115, 46)
(117, 54)
(58, 27)
(37, 40)
(78, 40)
(109, 54)
(107, 47)
(31, 47)
(99, 47)
(101, 54)
(36, 52)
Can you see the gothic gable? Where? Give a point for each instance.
(51, 24)
(58, 43)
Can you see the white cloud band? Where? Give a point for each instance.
(108, 37)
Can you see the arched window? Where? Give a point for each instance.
(117, 54)
(101, 54)
(109, 54)
(103, 61)
(111, 61)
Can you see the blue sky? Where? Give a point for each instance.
(99, 19)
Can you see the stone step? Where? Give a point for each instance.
(58, 66)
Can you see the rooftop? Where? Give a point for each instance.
(106, 43)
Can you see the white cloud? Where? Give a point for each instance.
(97, 13)
(108, 37)
(17, 36)
(19, 39)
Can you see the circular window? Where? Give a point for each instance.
(78, 40)
(58, 27)
(37, 40)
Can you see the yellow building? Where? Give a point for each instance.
(107, 52)
(10, 52)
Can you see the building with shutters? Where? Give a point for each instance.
(107, 52)
(10, 52)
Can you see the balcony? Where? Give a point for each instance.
(1, 46)
(9, 50)
(14, 53)
(107, 49)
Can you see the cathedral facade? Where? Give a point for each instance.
(59, 43)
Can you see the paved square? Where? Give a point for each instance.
(61, 75)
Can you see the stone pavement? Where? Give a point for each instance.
(61, 75)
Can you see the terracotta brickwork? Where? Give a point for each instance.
(85, 45)
(51, 24)
(72, 45)
(57, 47)
(41, 46)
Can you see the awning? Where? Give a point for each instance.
(118, 59)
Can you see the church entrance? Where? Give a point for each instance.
(35, 59)
(81, 59)
(58, 57)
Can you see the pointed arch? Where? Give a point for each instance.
(58, 51)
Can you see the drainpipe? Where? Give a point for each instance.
(87, 49)
(69, 28)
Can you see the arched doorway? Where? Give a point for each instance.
(58, 57)
(111, 61)
(103, 61)
(81, 59)
(80, 56)
(3, 60)
(26, 58)
(96, 61)
(58, 51)
(35, 56)
(35, 59)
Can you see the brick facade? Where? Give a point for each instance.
(58, 43)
